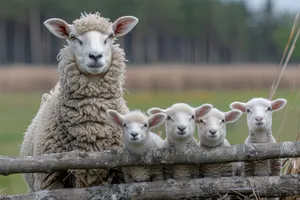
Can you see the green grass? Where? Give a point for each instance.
(17, 111)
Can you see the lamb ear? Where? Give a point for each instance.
(155, 110)
(115, 117)
(58, 27)
(202, 110)
(278, 104)
(238, 106)
(124, 25)
(156, 119)
(232, 115)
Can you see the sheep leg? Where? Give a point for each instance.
(275, 165)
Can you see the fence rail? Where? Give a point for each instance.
(110, 159)
(273, 186)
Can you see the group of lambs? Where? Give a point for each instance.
(86, 112)
(180, 122)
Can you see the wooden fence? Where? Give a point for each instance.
(255, 187)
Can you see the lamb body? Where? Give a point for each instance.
(72, 116)
(138, 140)
(212, 135)
(259, 120)
(180, 129)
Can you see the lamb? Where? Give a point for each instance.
(72, 117)
(180, 129)
(212, 135)
(138, 140)
(259, 120)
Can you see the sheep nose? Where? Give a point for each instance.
(181, 128)
(213, 131)
(95, 56)
(134, 134)
(258, 119)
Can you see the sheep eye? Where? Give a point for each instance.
(72, 37)
(169, 118)
(248, 111)
(145, 125)
(124, 125)
(193, 117)
(201, 121)
(111, 36)
(269, 109)
(223, 121)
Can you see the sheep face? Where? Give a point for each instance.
(259, 112)
(212, 127)
(92, 47)
(180, 122)
(135, 125)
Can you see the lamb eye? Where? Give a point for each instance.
(201, 121)
(169, 118)
(193, 117)
(145, 125)
(72, 37)
(248, 111)
(111, 36)
(269, 109)
(223, 121)
(124, 125)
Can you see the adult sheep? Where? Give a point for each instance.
(72, 117)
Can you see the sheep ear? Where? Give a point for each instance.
(278, 104)
(124, 25)
(153, 111)
(58, 27)
(115, 117)
(238, 106)
(202, 110)
(156, 119)
(232, 115)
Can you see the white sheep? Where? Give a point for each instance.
(212, 135)
(73, 116)
(180, 130)
(138, 140)
(259, 120)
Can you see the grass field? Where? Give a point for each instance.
(18, 109)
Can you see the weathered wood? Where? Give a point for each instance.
(274, 186)
(110, 159)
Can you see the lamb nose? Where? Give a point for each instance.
(134, 134)
(95, 57)
(258, 119)
(213, 131)
(181, 128)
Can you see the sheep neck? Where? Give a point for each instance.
(260, 136)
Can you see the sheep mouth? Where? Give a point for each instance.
(212, 136)
(95, 65)
(181, 133)
(259, 123)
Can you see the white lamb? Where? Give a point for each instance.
(73, 116)
(180, 130)
(259, 120)
(138, 140)
(212, 135)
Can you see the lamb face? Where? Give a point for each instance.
(91, 38)
(136, 126)
(212, 127)
(259, 112)
(180, 122)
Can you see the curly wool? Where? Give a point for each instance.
(72, 117)
(91, 22)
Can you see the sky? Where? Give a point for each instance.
(280, 6)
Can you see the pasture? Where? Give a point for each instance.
(18, 109)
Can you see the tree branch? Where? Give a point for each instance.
(110, 159)
(273, 186)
